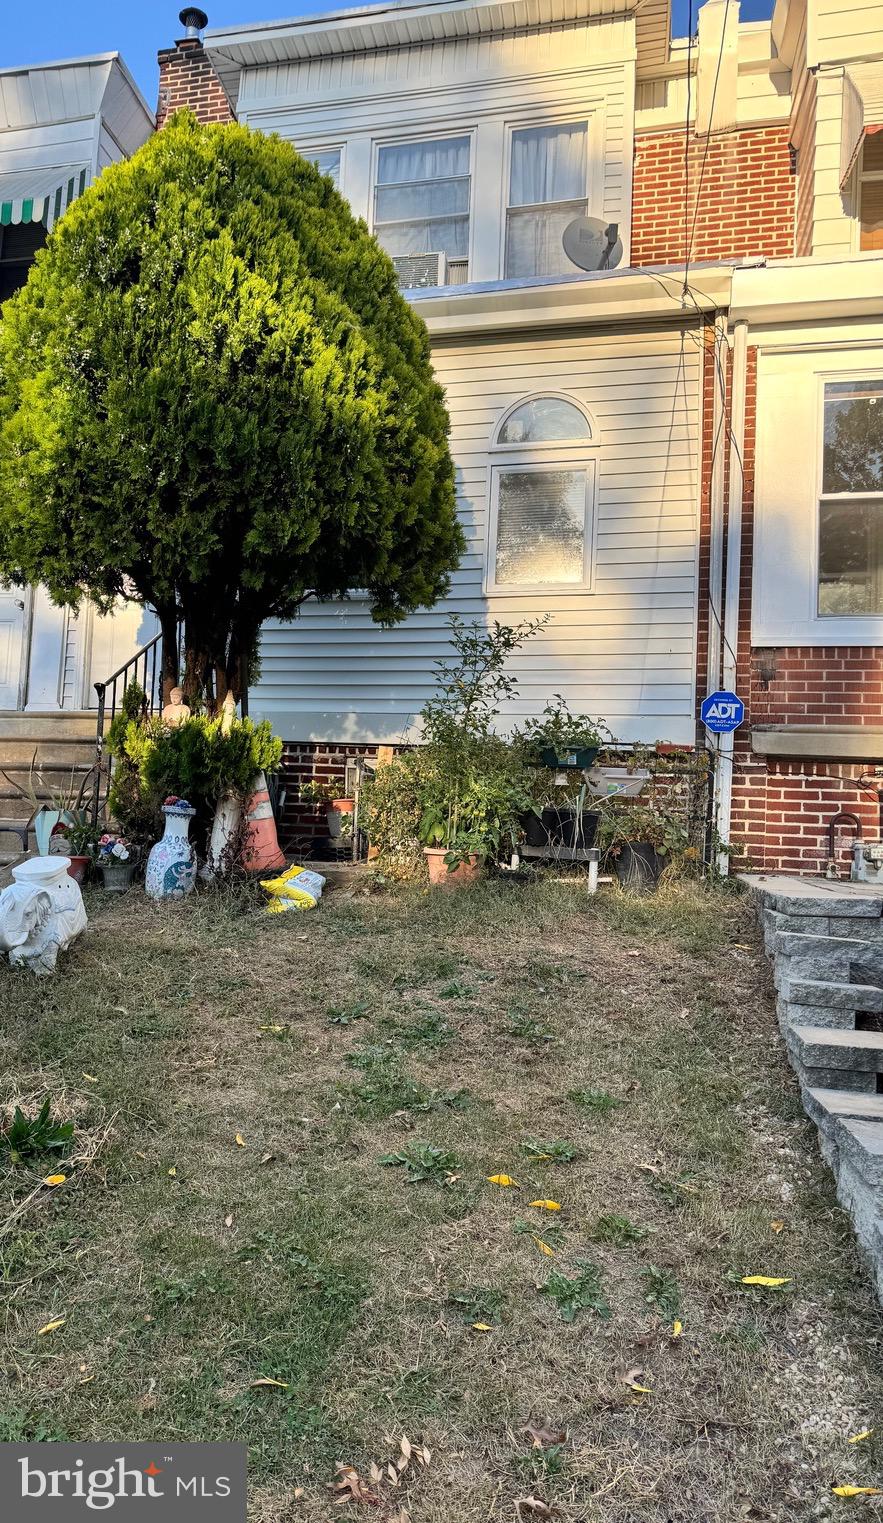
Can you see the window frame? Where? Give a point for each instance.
(306, 149)
(560, 118)
(539, 457)
(404, 139)
(824, 379)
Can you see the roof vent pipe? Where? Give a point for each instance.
(193, 20)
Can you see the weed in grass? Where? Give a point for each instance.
(581, 1293)
(456, 990)
(386, 1087)
(598, 1102)
(672, 1190)
(422, 1392)
(428, 1030)
(19, 1426)
(344, 1015)
(422, 1160)
(543, 1464)
(478, 1303)
(548, 1152)
(661, 1291)
(547, 1231)
(206, 1283)
(547, 974)
(528, 1029)
(27, 1136)
(617, 1230)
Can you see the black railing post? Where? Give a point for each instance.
(100, 689)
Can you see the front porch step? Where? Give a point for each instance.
(75, 724)
(49, 752)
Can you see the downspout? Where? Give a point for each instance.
(724, 778)
(716, 519)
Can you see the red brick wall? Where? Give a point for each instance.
(302, 760)
(186, 78)
(746, 206)
(781, 808)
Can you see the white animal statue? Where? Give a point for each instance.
(41, 913)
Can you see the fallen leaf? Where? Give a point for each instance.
(677, 1328)
(298, 1493)
(545, 1205)
(764, 1279)
(544, 1248)
(239, 1140)
(268, 1158)
(265, 1380)
(777, 1226)
(505, 1181)
(532, 1506)
(352, 1486)
(90, 1078)
(228, 1221)
(86, 1380)
(859, 1438)
(543, 1437)
(482, 1327)
(857, 1491)
(393, 1474)
(51, 1327)
(55, 1179)
(405, 1447)
(631, 1379)
(173, 1173)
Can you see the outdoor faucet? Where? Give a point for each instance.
(843, 817)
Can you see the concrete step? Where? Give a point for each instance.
(20, 755)
(833, 1059)
(828, 1106)
(75, 725)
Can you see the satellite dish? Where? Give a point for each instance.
(592, 244)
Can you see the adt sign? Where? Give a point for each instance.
(722, 712)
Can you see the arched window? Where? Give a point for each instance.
(542, 497)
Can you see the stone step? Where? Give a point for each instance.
(53, 752)
(828, 1106)
(73, 725)
(799, 954)
(813, 1015)
(833, 996)
(836, 1059)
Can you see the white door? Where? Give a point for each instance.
(12, 628)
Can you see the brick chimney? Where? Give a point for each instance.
(186, 76)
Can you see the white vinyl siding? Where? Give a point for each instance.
(846, 29)
(625, 649)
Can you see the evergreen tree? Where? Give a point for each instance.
(214, 400)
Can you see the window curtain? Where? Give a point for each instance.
(422, 199)
(548, 173)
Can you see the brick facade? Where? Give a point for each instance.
(187, 79)
(302, 760)
(745, 206)
(781, 808)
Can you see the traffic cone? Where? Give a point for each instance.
(260, 844)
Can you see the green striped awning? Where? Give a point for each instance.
(40, 195)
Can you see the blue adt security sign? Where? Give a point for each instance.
(722, 712)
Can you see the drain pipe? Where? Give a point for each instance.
(724, 778)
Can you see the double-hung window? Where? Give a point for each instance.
(851, 502)
(871, 192)
(326, 160)
(422, 198)
(542, 495)
(548, 187)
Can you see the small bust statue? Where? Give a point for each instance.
(176, 710)
(228, 713)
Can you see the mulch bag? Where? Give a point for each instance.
(295, 889)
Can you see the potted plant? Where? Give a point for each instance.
(117, 860)
(76, 838)
(51, 805)
(641, 840)
(563, 740)
(338, 810)
(558, 817)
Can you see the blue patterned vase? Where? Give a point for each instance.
(171, 866)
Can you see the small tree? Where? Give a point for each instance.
(214, 400)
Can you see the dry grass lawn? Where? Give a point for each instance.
(235, 1080)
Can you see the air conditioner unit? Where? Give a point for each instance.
(416, 270)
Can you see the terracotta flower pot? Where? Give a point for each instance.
(441, 876)
(333, 813)
(78, 867)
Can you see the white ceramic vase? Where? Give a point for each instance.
(171, 866)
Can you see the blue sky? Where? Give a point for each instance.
(55, 29)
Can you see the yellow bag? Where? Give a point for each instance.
(295, 889)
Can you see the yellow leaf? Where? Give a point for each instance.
(644, 1390)
(859, 1438)
(173, 1173)
(545, 1205)
(505, 1181)
(544, 1248)
(677, 1329)
(777, 1226)
(763, 1279)
(239, 1140)
(90, 1078)
(857, 1491)
(266, 1381)
(51, 1327)
(55, 1179)
(482, 1327)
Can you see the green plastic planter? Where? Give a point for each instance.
(575, 759)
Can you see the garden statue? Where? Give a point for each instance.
(41, 913)
(171, 866)
(228, 713)
(176, 710)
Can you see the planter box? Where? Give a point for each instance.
(638, 865)
(576, 759)
(561, 827)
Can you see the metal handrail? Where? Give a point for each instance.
(149, 659)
